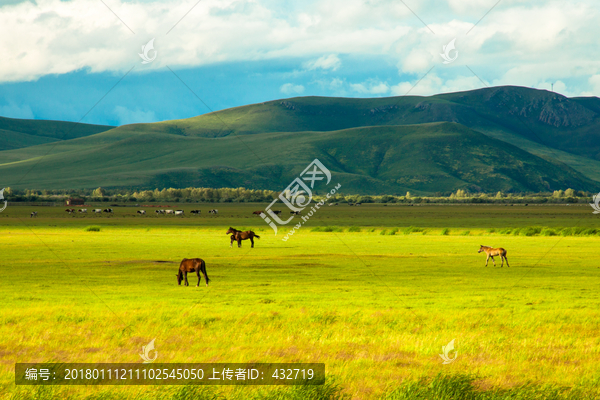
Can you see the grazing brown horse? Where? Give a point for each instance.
(491, 252)
(239, 236)
(192, 265)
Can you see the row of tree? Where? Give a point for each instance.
(242, 195)
(222, 195)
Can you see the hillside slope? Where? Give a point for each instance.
(425, 158)
(545, 117)
(544, 123)
(19, 133)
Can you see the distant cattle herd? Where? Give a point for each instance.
(181, 212)
(138, 212)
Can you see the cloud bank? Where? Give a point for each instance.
(329, 47)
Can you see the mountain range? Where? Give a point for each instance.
(508, 138)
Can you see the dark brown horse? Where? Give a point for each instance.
(239, 236)
(491, 252)
(192, 265)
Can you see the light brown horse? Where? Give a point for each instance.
(239, 236)
(491, 252)
(196, 265)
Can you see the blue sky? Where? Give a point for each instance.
(61, 58)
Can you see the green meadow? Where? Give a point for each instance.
(374, 292)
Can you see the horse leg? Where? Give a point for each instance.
(487, 259)
(198, 273)
(231, 242)
(252, 241)
(239, 242)
(186, 281)
(506, 261)
(493, 261)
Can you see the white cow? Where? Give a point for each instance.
(142, 212)
(213, 212)
(178, 212)
(98, 210)
(83, 210)
(169, 211)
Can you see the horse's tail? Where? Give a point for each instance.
(203, 270)
(256, 236)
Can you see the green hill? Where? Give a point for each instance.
(547, 118)
(19, 133)
(423, 158)
(503, 138)
(543, 123)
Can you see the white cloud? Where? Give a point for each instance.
(426, 86)
(13, 110)
(594, 82)
(290, 88)
(471, 7)
(127, 116)
(331, 62)
(418, 60)
(55, 37)
(372, 87)
(520, 42)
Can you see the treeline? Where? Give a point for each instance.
(242, 195)
(461, 196)
(189, 195)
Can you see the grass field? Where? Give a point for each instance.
(375, 308)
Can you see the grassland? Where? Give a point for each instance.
(375, 308)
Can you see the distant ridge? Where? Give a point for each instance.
(19, 133)
(503, 138)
